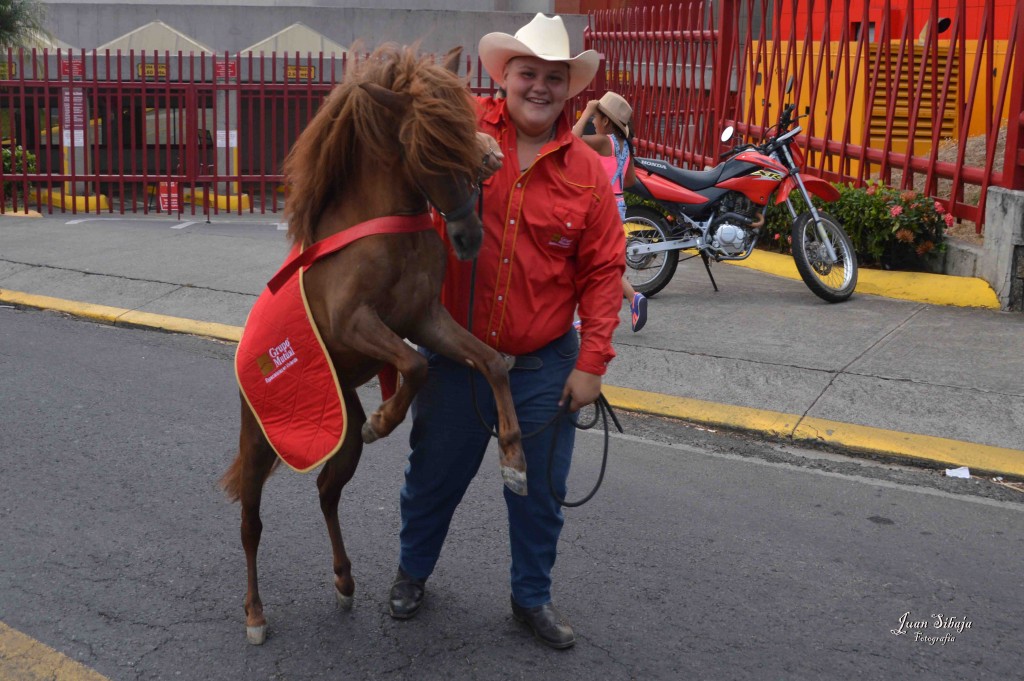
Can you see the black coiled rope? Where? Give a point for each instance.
(602, 410)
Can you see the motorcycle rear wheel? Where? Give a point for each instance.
(832, 282)
(651, 272)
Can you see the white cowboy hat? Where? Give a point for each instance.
(544, 38)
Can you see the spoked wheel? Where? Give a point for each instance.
(648, 272)
(830, 281)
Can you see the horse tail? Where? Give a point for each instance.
(231, 481)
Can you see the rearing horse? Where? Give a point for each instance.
(399, 131)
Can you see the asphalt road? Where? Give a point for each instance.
(704, 555)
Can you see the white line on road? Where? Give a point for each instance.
(874, 482)
(81, 220)
(183, 225)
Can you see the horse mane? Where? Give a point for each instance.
(436, 136)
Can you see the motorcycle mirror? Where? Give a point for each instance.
(789, 85)
(728, 133)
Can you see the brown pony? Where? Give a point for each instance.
(399, 131)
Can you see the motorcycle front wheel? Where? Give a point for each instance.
(830, 281)
(648, 273)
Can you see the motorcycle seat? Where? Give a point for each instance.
(691, 179)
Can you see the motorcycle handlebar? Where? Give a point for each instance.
(784, 119)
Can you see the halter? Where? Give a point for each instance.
(467, 207)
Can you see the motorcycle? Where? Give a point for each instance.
(716, 212)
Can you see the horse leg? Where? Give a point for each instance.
(333, 477)
(444, 336)
(257, 460)
(367, 334)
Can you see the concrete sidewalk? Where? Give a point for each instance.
(914, 366)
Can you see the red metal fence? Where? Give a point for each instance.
(915, 100)
(155, 132)
(936, 108)
(142, 132)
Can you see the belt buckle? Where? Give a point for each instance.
(510, 360)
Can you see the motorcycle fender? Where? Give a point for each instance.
(660, 189)
(814, 185)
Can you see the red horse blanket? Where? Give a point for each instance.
(282, 365)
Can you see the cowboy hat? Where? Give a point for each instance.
(618, 111)
(544, 38)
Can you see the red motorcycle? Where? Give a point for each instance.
(717, 212)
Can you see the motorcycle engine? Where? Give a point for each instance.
(729, 237)
(735, 202)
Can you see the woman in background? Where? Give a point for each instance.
(612, 115)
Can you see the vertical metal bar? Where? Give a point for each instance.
(956, 207)
(727, 37)
(1012, 176)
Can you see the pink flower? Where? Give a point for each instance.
(939, 209)
(949, 219)
(777, 236)
(871, 190)
(896, 210)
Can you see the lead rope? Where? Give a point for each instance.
(602, 408)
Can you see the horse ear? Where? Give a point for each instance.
(451, 59)
(389, 99)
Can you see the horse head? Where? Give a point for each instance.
(436, 127)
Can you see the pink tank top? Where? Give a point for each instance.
(611, 164)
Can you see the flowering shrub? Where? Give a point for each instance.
(890, 228)
(15, 163)
(893, 228)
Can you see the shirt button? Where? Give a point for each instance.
(500, 298)
(494, 333)
(511, 222)
(519, 185)
(505, 261)
(568, 224)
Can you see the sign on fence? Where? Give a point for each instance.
(72, 67)
(73, 117)
(169, 197)
(293, 72)
(225, 69)
(147, 70)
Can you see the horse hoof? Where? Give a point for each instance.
(344, 602)
(514, 480)
(369, 434)
(256, 635)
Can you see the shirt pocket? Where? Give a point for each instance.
(563, 230)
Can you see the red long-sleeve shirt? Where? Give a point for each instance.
(552, 240)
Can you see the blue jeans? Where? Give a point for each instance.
(448, 444)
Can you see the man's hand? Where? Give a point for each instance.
(581, 389)
(491, 154)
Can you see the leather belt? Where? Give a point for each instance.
(523, 362)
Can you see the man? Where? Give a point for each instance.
(553, 245)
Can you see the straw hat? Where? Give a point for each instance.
(618, 111)
(544, 38)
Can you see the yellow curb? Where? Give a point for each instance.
(922, 287)
(182, 325)
(913, 446)
(123, 317)
(26, 659)
(23, 213)
(773, 423)
(822, 431)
